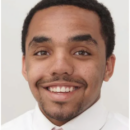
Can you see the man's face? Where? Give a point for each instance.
(65, 62)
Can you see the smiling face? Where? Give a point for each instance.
(65, 62)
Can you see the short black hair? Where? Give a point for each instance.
(107, 25)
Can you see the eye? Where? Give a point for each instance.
(39, 53)
(82, 52)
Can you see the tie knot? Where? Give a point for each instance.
(57, 128)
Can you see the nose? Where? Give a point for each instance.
(61, 65)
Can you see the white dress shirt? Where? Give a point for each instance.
(94, 118)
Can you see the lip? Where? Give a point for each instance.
(59, 96)
(45, 85)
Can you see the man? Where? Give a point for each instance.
(67, 50)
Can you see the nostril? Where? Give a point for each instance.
(54, 73)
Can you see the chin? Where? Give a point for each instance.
(61, 111)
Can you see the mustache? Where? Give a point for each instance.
(62, 78)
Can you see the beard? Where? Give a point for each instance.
(61, 111)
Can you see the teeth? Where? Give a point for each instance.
(54, 89)
(67, 89)
(58, 89)
(62, 89)
(51, 89)
(71, 89)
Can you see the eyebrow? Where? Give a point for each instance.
(77, 38)
(81, 38)
(39, 39)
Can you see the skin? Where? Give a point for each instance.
(63, 59)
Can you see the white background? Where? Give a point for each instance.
(16, 96)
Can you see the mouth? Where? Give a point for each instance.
(61, 89)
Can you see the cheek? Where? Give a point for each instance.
(35, 70)
(91, 72)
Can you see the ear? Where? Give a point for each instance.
(24, 69)
(110, 63)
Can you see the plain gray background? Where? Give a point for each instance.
(16, 96)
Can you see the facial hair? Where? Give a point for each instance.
(60, 114)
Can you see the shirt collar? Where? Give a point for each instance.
(93, 118)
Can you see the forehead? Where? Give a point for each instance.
(64, 21)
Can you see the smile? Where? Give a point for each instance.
(62, 89)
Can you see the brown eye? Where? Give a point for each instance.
(42, 53)
(82, 52)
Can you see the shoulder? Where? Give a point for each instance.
(22, 122)
(116, 121)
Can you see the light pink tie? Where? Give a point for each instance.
(57, 128)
